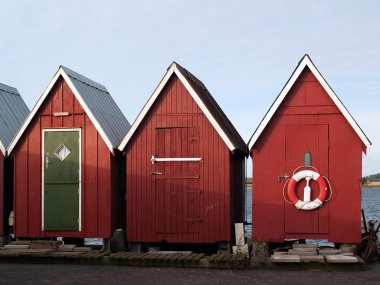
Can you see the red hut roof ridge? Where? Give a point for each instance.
(303, 63)
(205, 101)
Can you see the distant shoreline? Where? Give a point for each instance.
(369, 186)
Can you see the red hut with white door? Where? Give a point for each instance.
(66, 162)
(185, 166)
(307, 164)
(13, 112)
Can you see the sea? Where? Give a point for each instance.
(370, 205)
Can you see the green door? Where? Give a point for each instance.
(61, 180)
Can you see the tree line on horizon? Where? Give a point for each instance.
(371, 178)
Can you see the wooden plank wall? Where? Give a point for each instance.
(96, 169)
(308, 103)
(175, 107)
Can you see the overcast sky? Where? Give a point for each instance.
(243, 51)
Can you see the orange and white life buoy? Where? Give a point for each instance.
(306, 204)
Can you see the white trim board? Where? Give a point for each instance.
(43, 174)
(306, 61)
(173, 69)
(60, 72)
(2, 149)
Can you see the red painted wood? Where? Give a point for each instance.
(169, 207)
(326, 131)
(97, 188)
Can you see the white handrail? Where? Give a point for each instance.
(174, 159)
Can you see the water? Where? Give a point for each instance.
(370, 205)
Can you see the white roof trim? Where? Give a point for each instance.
(2, 148)
(306, 61)
(77, 95)
(173, 69)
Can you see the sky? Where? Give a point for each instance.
(243, 51)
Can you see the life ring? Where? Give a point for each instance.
(307, 205)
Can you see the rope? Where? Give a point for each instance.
(302, 166)
(283, 192)
(331, 191)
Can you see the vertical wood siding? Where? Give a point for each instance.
(175, 108)
(96, 169)
(308, 103)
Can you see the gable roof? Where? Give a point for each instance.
(306, 62)
(96, 102)
(206, 103)
(13, 112)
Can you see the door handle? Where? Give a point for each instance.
(156, 173)
(47, 161)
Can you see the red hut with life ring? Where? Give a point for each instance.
(307, 164)
(185, 166)
(66, 162)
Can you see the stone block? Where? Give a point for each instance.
(240, 249)
(239, 234)
(285, 258)
(304, 245)
(339, 258)
(21, 242)
(348, 248)
(47, 244)
(312, 258)
(16, 246)
(329, 251)
(302, 251)
(82, 249)
(66, 247)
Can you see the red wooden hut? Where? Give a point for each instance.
(13, 112)
(185, 166)
(66, 162)
(307, 164)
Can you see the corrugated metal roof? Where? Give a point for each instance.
(214, 109)
(13, 112)
(102, 106)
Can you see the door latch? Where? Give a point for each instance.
(280, 177)
(156, 173)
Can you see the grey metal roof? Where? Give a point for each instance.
(215, 110)
(102, 106)
(13, 112)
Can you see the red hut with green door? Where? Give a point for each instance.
(307, 164)
(13, 112)
(66, 162)
(185, 166)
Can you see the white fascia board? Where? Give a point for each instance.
(42, 99)
(146, 107)
(337, 102)
(87, 110)
(193, 94)
(2, 149)
(275, 105)
(204, 109)
(307, 62)
(33, 112)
